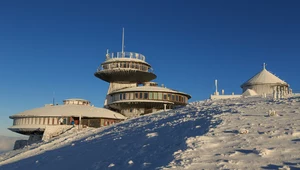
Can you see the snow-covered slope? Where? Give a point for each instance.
(225, 134)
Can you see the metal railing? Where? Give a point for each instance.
(125, 55)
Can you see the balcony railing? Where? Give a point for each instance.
(124, 65)
(125, 55)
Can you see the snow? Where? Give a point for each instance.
(222, 134)
(249, 92)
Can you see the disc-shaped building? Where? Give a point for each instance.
(131, 91)
(73, 111)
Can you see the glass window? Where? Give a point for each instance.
(169, 96)
(124, 65)
(160, 96)
(176, 97)
(150, 95)
(155, 95)
(145, 95)
(120, 96)
(165, 96)
(173, 97)
(136, 95)
(141, 95)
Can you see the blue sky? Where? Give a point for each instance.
(57, 45)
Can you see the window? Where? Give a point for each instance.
(165, 96)
(150, 95)
(141, 95)
(155, 95)
(160, 96)
(145, 95)
(120, 96)
(136, 95)
(169, 96)
(173, 97)
(177, 98)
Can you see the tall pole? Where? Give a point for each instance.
(53, 98)
(216, 84)
(123, 42)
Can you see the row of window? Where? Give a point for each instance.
(37, 121)
(150, 96)
(133, 65)
(76, 102)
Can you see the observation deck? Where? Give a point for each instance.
(125, 67)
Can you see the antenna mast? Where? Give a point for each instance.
(123, 41)
(53, 99)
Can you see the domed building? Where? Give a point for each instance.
(74, 111)
(131, 91)
(265, 82)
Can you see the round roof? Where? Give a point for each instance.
(150, 89)
(70, 110)
(264, 77)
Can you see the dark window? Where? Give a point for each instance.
(136, 95)
(120, 96)
(145, 95)
(141, 95)
(165, 96)
(173, 97)
(169, 96)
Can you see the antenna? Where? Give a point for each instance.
(123, 41)
(53, 98)
(216, 84)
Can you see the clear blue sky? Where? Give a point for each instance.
(57, 45)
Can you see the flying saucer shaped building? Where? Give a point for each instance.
(131, 91)
(35, 121)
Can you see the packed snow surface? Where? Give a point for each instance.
(246, 133)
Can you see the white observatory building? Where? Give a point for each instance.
(265, 82)
(131, 91)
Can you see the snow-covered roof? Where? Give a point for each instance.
(150, 89)
(264, 77)
(249, 92)
(70, 110)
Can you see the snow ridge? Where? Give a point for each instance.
(224, 134)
